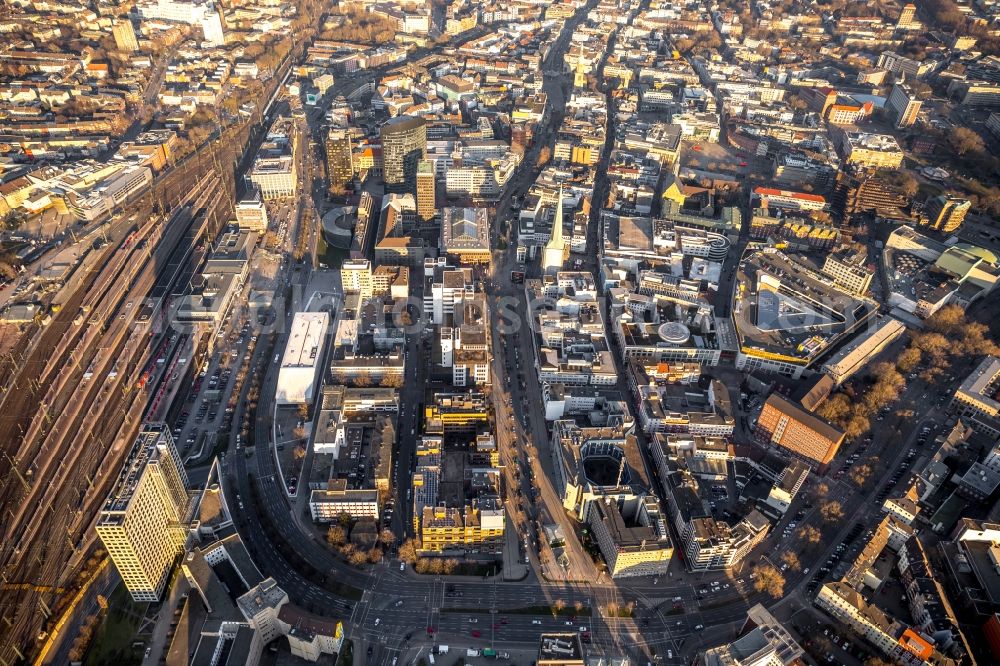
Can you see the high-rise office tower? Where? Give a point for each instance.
(404, 144)
(142, 523)
(906, 16)
(124, 35)
(339, 162)
(426, 203)
(903, 106)
(946, 213)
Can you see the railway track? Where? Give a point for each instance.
(67, 460)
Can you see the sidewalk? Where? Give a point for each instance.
(514, 568)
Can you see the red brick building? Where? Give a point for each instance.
(788, 426)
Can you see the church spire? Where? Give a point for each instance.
(556, 237)
(553, 254)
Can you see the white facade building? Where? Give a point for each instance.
(300, 364)
(142, 523)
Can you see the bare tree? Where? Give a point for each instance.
(809, 535)
(408, 551)
(791, 559)
(336, 536)
(908, 359)
(769, 580)
(860, 474)
(820, 491)
(544, 155)
(964, 140)
(877, 661)
(831, 511)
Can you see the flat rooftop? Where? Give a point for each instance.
(784, 307)
(305, 340)
(145, 449)
(983, 384)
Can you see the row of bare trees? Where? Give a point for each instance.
(337, 537)
(948, 335)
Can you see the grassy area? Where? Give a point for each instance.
(117, 632)
(567, 611)
(926, 190)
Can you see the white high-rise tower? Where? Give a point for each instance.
(142, 524)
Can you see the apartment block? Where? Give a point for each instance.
(710, 544)
(762, 641)
(976, 399)
(251, 212)
(871, 150)
(903, 106)
(634, 539)
(356, 278)
(848, 270)
(946, 213)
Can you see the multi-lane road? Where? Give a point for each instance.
(389, 610)
(399, 610)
